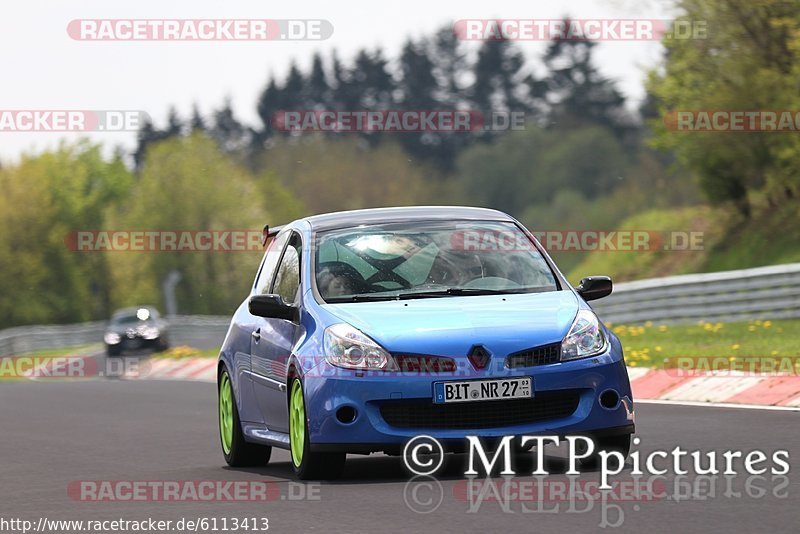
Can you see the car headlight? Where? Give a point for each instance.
(111, 338)
(149, 332)
(585, 337)
(347, 347)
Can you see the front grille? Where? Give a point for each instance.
(546, 354)
(415, 363)
(424, 413)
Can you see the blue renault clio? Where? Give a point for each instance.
(366, 328)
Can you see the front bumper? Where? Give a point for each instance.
(328, 390)
(137, 342)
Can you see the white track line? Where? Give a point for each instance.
(794, 402)
(635, 373)
(712, 388)
(718, 405)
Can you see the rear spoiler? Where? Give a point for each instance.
(268, 233)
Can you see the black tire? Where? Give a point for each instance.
(313, 465)
(241, 453)
(621, 444)
(321, 466)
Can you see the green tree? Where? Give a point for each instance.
(231, 135)
(317, 90)
(45, 198)
(498, 72)
(574, 93)
(189, 184)
(337, 174)
(417, 90)
(451, 67)
(197, 122)
(748, 61)
(530, 167)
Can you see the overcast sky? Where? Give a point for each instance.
(42, 68)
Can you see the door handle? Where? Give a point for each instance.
(256, 334)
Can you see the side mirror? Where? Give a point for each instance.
(271, 306)
(595, 287)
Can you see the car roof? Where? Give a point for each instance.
(344, 219)
(124, 312)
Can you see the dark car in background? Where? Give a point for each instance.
(136, 328)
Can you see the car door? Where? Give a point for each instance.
(272, 341)
(251, 325)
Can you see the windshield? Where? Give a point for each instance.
(428, 259)
(134, 316)
(126, 319)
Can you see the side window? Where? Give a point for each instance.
(287, 281)
(270, 262)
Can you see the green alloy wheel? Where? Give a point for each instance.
(237, 451)
(226, 413)
(297, 424)
(308, 465)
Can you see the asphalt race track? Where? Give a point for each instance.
(57, 432)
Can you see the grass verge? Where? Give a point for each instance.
(14, 367)
(185, 351)
(770, 344)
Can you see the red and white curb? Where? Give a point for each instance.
(721, 387)
(198, 369)
(729, 387)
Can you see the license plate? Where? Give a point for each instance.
(483, 390)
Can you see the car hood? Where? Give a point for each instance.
(131, 327)
(450, 326)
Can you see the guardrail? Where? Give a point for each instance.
(22, 339)
(761, 293)
(201, 331)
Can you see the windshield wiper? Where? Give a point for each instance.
(362, 297)
(453, 291)
(449, 292)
